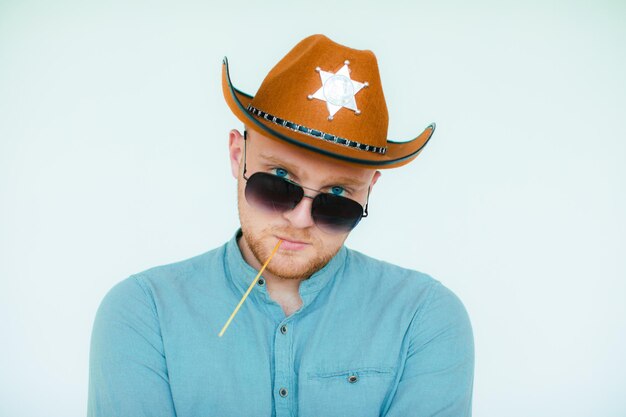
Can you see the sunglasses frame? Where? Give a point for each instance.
(365, 212)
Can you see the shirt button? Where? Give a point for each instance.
(352, 379)
(283, 392)
(283, 329)
(261, 281)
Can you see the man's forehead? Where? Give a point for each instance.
(314, 167)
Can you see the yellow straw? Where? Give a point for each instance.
(249, 289)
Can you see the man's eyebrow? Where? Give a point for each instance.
(350, 182)
(273, 159)
(334, 181)
(276, 161)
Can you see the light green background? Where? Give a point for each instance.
(113, 159)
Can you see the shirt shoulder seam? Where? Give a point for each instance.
(421, 309)
(139, 280)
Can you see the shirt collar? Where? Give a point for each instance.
(242, 274)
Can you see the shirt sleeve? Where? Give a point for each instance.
(127, 369)
(438, 375)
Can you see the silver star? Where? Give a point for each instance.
(338, 90)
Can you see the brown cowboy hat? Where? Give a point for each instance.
(326, 98)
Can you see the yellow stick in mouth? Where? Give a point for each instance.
(249, 289)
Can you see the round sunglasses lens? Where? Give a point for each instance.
(272, 193)
(336, 214)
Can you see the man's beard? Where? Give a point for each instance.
(285, 264)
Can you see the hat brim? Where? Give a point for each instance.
(398, 153)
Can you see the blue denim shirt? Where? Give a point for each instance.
(371, 339)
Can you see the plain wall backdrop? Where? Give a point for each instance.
(113, 159)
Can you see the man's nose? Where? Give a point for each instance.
(300, 216)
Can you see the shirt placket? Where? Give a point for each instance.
(284, 389)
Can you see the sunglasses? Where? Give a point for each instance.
(331, 213)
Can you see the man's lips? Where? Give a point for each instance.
(292, 244)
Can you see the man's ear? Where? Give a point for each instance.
(235, 151)
(377, 175)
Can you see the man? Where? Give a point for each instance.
(326, 331)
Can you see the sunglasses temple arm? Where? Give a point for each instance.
(245, 137)
(367, 202)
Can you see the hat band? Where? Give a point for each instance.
(316, 133)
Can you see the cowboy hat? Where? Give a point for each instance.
(326, 98)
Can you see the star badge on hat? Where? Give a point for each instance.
(338, 90)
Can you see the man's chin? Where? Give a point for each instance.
(291, 268)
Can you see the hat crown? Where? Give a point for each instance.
(329, 87)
